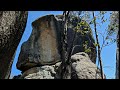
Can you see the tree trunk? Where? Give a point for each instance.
(66, 67)
(117, 57)
(99, 51)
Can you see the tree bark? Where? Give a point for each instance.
(66, 70)
(99, 51)
(117, 57)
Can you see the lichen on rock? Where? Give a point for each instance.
(12, 27)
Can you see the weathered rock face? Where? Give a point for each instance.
(41, 55)
(82, 68)
(43, 46)
(42, 72)
(12, 26)
(81, 45)
(81, 40)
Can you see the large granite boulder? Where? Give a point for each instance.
(44, 45)
(12, 26)
(43, 51)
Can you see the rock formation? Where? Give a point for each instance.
(40, 56)
(42, 72)
(82, 68)
(81, 39)
(43, 46)
(12, 26)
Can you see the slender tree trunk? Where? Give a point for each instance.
(117, 57)
(99, 51)
(65, 74)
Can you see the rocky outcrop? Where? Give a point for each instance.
(41, 55)
(42, 72)
(43, 46)
(82, 68)
(84, 42)
(12, 26)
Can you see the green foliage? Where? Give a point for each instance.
(86, 48)
(95, 44)
(100, 19)
(82, 27)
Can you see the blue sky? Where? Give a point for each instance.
(108, 53)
